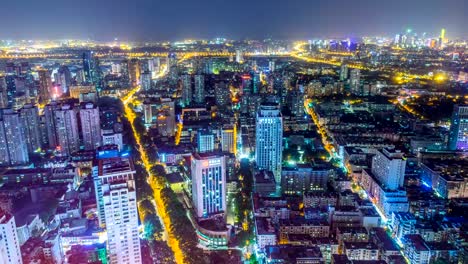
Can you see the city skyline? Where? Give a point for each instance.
(145, 20)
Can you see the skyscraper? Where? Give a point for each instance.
(66, 130)
(64, 78)
(45, 86)
(134, 72)
(199, 89)
(388, 166)
(3, 93)
(269, 137)
(90, 126)
(344, 72)
(114, 180)
(49, 116)
(222, 94)
(14, 148)
(355, 81)
(208, 184)
(459, 128)
(29, 115)
(239, 56)
(9, 243)
(186, 80)
(146, 80)
(87, 64)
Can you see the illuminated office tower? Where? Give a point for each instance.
(90, 126)
(29, 115)
(228, 139)
(459, 129)
(186, 80)
(66, 130)
(269, 137)
(114, 180)
(9, 244)
(205, 141)
(208, 184)
(134, 72)
(14, 148)
(388, 166)
(199, 89)
(146, 80)
(45, 86)
(355, 81)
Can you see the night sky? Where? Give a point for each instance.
(237, 19)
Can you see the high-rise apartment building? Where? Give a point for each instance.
(134, 72)
(13, 147)
(186, 82)
(9, 243)
(222, 93)
(355, 81)
(90, 126)
(3, 93)
(146, 80)
(29, 115)
(45, 86)
(269, 137)
(208, 184)
(114, 180)
(199, 89)
(344, 72)
(66, 130)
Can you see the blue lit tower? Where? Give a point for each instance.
(459, 129)
(269, 136)
(87, 64)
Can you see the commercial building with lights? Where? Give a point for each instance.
(208, 184)
(114, 180)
